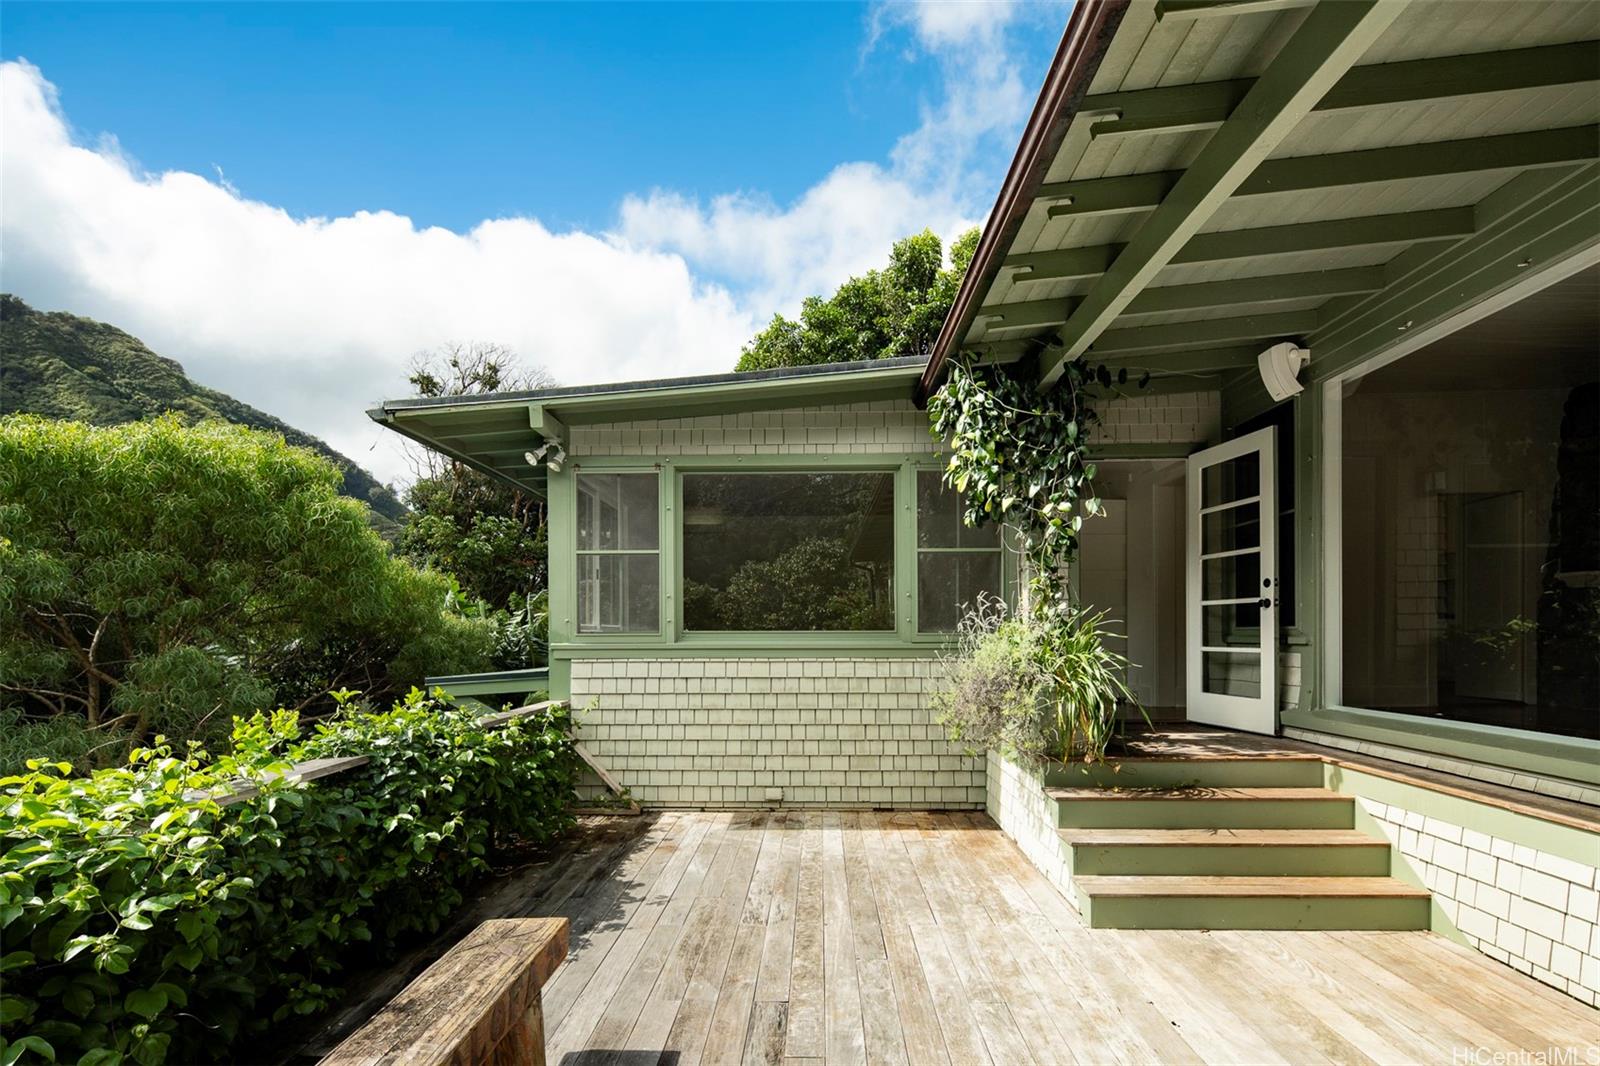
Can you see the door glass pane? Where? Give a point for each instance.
(619, 593)
(1231, 528)
(1221, 623)
(949, 585)
(617, 512)
(811, 551)
(1238, 478)
(1231, 576)
(1231, 673)
(1471, 522)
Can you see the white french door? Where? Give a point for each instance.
(1231, 610)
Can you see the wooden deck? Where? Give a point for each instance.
(918, 938)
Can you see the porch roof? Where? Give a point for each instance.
(1203, 178)
(492, 433)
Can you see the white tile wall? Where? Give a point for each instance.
(1179, 417)
(829, 732)
(1532, 910)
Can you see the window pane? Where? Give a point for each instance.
(1231, 576)
(788, 551)
(950, 583)
(1232, 479)
(1471, 511)
(619, 593)
(1231, 673)
(1231, 528)
(1221, 623)
(939, 523)
(617, 512)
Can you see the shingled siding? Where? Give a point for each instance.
(827, 732)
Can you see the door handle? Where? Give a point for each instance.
(1264, 602)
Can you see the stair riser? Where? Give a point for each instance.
(1253, 913)
(1288, 860)
(1201, 812)
(1181, 773)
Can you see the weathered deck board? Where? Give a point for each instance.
(816, 937)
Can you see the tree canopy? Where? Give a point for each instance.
(877, 315)
(157, 578)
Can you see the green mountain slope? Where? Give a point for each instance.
(63, 366)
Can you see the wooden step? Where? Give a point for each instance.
(1202, 808)
(1227, 852)
(1253, 887)
(1146, 902)
(1225, 838)
(1233, 771)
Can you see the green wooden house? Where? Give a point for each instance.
(1356, 509)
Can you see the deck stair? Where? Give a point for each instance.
(1224, 843)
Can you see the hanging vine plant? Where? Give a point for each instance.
(1020, 456)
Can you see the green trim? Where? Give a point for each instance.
(749, 463)
(1539, 754)
(1200, 334)
(757, 646)
(1244, 292)
(1185, 10)
(1326, 44)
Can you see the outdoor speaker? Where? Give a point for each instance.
(1280, 369)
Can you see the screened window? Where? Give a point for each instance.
(956, 564)
(795, 552)
(619, 565)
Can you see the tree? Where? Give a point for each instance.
(879, 315)
(488, 535)
(157, 578)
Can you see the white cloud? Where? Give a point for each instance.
(313, 319)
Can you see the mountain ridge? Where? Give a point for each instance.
(62, 365)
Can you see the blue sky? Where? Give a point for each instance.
(293, 200)
(450, 113)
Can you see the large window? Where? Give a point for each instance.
(1471, 522)
(619, 565)
(956, 564)
(797, 552)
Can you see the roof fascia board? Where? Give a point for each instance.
(1090, 29)
(1325, 46)
(1188, 108)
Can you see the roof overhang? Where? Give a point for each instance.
(493, 434)
(1204, 178)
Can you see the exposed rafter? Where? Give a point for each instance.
(1272, 288)
(1512, 151)
(1184, 10)
(1204, 361)
(1187, 108)
(1284, 325)
(1323, 48)
(1374, 231)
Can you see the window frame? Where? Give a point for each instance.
(913, 606)
(577, 554)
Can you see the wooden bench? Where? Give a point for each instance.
(479, 1004)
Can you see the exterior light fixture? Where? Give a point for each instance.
(1280, 367)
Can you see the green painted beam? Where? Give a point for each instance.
(1373, 231)
(1025, 313)
(1512, 151)
(1280, 326)
(1187, 108)
(1207, 360)
(1323, 48)
(1271, 288)
(544, 422)
(1186, 10)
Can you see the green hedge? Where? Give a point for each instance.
(143, 921)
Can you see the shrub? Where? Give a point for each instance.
(1032, 686)
(157, 578)
(144, 921)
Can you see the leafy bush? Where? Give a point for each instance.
(157, 578)
(1032, 687)
(142, 920)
